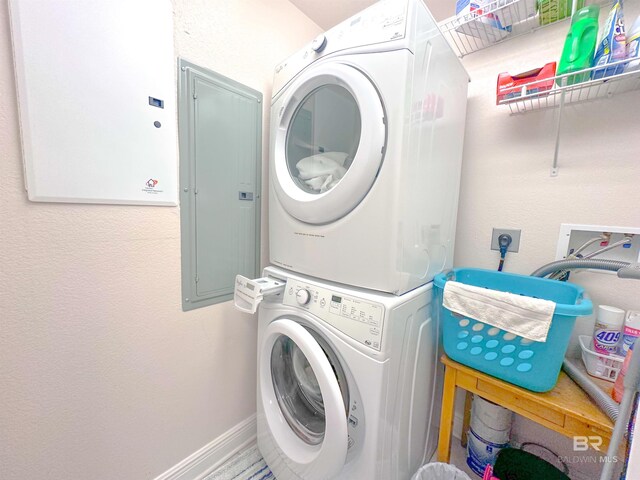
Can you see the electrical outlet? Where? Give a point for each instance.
(515, 239)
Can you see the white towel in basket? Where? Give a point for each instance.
(518, 314)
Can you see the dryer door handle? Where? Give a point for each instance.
(314, 462)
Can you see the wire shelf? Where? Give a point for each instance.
(531, 98)
(502, 20)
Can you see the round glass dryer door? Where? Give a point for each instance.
(305, 398)
(329, 143)
(323, 138)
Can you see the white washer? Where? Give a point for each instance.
(348, 381)
(367, 128)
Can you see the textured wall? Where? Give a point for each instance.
(506, 181)
(102, 375)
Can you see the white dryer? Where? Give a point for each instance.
(367, 129)
(347, 381)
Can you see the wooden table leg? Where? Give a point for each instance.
(466, 419)
(446, 417)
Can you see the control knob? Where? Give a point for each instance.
(319, 43)
(303, 296)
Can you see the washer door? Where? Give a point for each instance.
(329, 143)
(304, 402)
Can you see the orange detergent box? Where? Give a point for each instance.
(512, 86)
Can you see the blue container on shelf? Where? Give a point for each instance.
(528, 364)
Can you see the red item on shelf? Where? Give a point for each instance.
(511, 86)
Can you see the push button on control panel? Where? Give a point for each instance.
(393, 21)
(353, 421)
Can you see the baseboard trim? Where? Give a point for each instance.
(210, 457)
(214, 454)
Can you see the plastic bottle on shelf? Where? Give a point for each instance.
(618, 387)
(633, 46)
(606, 333)
(612, 46)
(551, 11)
(579, 45)
(630, 332)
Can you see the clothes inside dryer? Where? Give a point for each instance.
(297, 389)
(323, 138)
(323, 171)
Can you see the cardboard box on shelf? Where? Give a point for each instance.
(512, 86)
(478, 23)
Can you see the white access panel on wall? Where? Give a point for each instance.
(97, 102)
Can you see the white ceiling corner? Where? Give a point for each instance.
(327, 13)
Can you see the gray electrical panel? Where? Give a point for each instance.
(220, 128)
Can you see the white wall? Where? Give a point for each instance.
(102, 375)
(506, 181)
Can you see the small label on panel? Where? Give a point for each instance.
(156, 102)
(151, 187)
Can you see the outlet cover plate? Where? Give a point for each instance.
(515, 242)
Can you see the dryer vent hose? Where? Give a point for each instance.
(606, 403)
(548, 269)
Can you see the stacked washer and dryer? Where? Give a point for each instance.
(367, 129)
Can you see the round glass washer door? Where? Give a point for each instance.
(305, 397)
(298, 391)
(329, 143)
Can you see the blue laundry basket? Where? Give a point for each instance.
(532, 365)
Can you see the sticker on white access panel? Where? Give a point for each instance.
(151, 187)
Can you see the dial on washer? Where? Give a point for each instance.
(319, 43)
(303, 296)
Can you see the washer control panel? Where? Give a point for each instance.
(359, 319)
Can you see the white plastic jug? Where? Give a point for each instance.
(633, 45)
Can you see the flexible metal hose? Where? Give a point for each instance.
(604, 401)
(611, 265)
(631, 387)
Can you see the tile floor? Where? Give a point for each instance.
(246, 465)
(249, 465)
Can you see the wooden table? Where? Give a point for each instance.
(566, 409)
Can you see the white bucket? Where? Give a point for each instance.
(481, 452)
(489, 433)
(488, 414)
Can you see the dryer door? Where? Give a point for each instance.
(329, 143)
(305, 399)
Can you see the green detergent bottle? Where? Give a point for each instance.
(580, 45)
